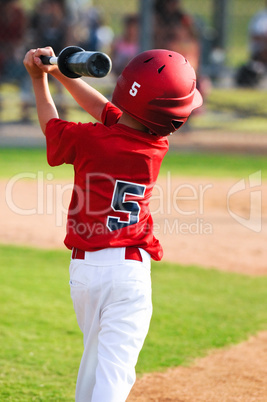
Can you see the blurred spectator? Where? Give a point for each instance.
(251, 73)
(12, 35)
(176, 30)
(92, 32)
(258, 37)
(183, 41)
(13, 26)
(51, 25)
(126, 46)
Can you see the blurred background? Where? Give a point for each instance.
(225, 41)
(209, 204)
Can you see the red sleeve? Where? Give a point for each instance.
(61, 138)
(110, 114)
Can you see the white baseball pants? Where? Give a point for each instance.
(112, 301)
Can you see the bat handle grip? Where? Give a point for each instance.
(48, 60)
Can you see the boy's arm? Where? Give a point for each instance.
(87, 97)
(45, 106)
(92, 101)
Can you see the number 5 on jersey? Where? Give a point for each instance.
(118, 204)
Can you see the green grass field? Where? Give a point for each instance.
(195, 311)
(24, 161)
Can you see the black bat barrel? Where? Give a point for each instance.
(74, 62)
(89, 64)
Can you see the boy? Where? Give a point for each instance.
(109, 227)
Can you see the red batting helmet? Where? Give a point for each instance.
(158, 88)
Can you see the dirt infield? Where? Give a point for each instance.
(237, 374)
(206, 222)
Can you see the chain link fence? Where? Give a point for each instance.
(114, 27)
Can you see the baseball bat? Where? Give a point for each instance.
(75, 62)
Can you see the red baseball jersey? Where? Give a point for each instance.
(115, 169)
